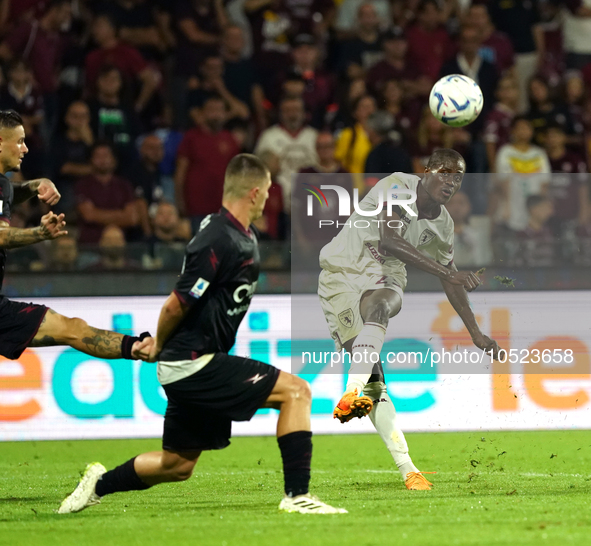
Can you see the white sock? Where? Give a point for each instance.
(383, 417)
(368, 344)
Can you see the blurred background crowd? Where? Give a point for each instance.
(134, 108)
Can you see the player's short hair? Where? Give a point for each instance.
(445, 155)
(10, 119)
(244, 172)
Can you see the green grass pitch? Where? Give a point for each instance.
(491, 488)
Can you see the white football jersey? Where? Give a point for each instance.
(356, 249)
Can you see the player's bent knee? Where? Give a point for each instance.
(380, 311)
(301, 390)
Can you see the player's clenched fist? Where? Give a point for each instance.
(52, 226)
(467, 279)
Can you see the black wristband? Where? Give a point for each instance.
(127, 344)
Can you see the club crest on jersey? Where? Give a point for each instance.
(425, 237)
(346, 318)
(199, 288)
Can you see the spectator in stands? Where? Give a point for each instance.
(544, 110)
(211, 82)
(327, 170)
(41, 44)
(429, 43)
(170, 234)
(536, 244)
(22, 95)
(318, 90)
(104, 198)
(466, 245)
(385, 156)
(395, 66)
(145, 175)
(168, 226)
(290, 140)
(568, 190)
(497, 125)
(519, 20)
(240, 76)
(293, 86)
(271, 224)
(522, 170)
(112, 250)
(202, 158)
(574, 99)
(271, 28)
(405, 114)
(71, 153)
(576, 21)
(347, 18)
(495, 46)
(432, 134)
(313, 17)
(469, 62)
(112, 117)
(347, 94)
(353, 144)
(138, 26)
(64, 254)
(363, 50)
(199, 24)
(113, 52)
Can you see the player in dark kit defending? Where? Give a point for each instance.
(206, 388)
(25, 325)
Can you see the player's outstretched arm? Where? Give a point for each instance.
(51, 227)
(392, 242)
(43, 187)
(173, 311)
(458, 297)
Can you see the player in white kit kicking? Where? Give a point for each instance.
(363, 279)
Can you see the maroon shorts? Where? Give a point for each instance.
(19, 323)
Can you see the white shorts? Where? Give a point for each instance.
(340, 298)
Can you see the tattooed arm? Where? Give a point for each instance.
(51, 227)
(42, 187)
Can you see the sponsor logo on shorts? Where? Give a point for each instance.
(425, 237)
(346, 318)
(199, 288)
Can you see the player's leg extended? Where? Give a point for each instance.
(375, 306)
(293, 398)
(137, 474)
(55, 329)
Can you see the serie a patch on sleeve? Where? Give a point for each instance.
(199, 288)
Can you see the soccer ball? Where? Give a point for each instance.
(456, 100)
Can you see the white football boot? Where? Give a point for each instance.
(84, 494)
(308, 504)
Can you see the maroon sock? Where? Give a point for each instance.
(296, 452)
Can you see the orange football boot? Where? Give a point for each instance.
(352, 405)
(415, 481)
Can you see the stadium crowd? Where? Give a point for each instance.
(134, 108)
